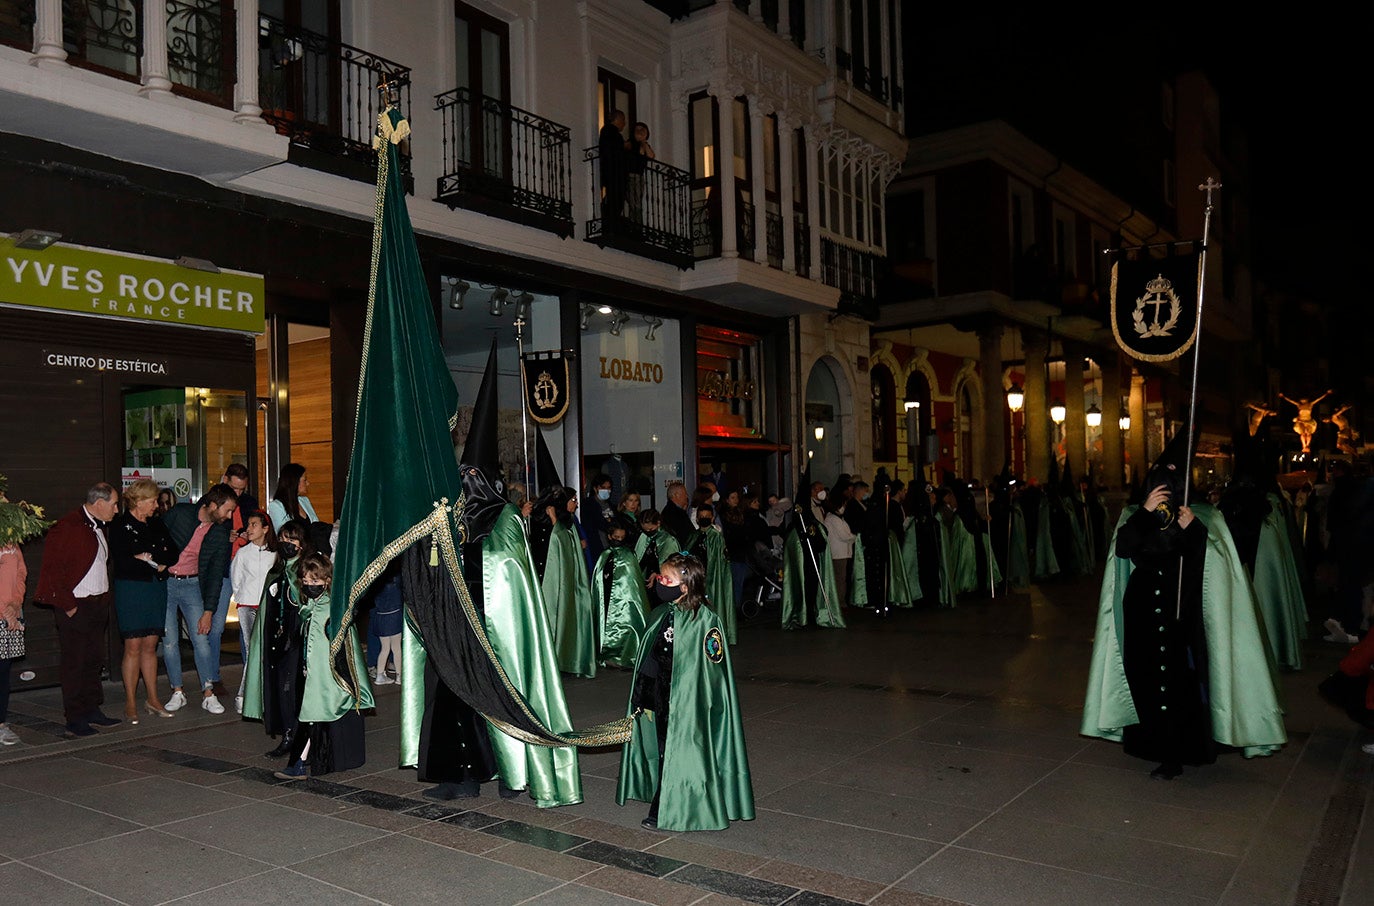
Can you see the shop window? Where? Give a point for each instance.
(728, 383)
(702, 125)
(632, 392)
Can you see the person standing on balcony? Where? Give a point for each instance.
(639, 153)
(612, 155)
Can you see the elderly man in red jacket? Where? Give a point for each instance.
(75, 582)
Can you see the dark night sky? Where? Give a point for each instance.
(1299, 88)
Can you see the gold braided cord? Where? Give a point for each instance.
(614, 733)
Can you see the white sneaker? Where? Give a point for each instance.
(212, 705)
(238, 704)
(382, 680)
(1367, 748)
(176, 702)
(7, 736)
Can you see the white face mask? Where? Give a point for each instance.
(603, 493)
(821, 496)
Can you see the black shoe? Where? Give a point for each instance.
(1166, 771)
(649, 823)
(78, 729)
(506, 792)
(282, 748)
(98, 718)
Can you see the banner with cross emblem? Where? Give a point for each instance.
(1154, 303)
(545, 376)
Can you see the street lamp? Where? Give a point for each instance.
(1094, 416)
(1016, 398)
(1058, 413)
(820, 432)
(1124, 422)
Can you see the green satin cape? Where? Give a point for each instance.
(567, 596)
(519, 631)
(795, 561)
(898, 587)
(1018, 554)
(706, 782)
(960, 555)
(1246, 713)
(1278, 588)
(912, 561)
(623, 607)
(324, 698)
(665, 544)
(1046, 563)
(720, 581)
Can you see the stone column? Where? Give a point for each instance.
(756, 186)
(729, 217)
(787, 139)
(993, 429)
(246, 106)
(1136, 441)
(785, 17)
(1112, 460)
(48, 48)
(154, 66)
(1075, 420)
(1037, 409)
(813, 199)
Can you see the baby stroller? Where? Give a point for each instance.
(764, 583)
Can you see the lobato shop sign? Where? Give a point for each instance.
(132, 287)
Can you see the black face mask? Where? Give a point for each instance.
(288, 549)
(667, 593)
(313, 591)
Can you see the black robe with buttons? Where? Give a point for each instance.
(1165, 657)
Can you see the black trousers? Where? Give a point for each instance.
(5, 688)
(81, 637)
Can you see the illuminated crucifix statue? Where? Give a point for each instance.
(1346, 436)
(1258, 413)
(1304, 424)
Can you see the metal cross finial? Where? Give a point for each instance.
(1210, 186)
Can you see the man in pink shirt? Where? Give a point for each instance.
(201, 532)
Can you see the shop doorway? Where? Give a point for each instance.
(183, 437)
(307, 387)
(824, 428)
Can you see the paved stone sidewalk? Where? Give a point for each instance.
(874, 782)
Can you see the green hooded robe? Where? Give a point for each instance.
(324, 698)
(795, 562)
(518, 630)
(567, 595)
(1278, 589)
(720, 581)
(1242, 691)
(1018, 554)
(706, 782)
(911, 560)
(623, 603)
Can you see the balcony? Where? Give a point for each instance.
(325, 97)
(855, 274)
(16, 23)
(801, 239)
(649, 214)
(505, 162)
(202, 48)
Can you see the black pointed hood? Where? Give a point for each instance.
(480, 465)
(1171, 470)
(546, 470)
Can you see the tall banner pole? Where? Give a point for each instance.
(1210, 186)
(524, 406)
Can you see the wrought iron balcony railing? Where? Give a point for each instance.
(705, 223)
(323, 95)
(801, 239)
(104, 35)
(202, 49)
(855, 274)
(772, 233)
(16, 23)
(648, 214)
(504, 161)
(744, 228)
